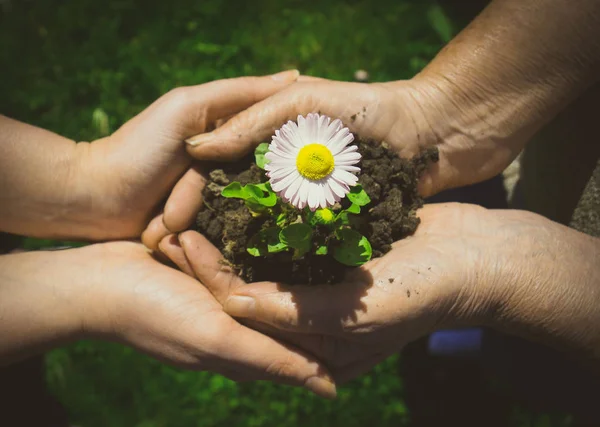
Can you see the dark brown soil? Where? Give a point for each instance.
(390, 181)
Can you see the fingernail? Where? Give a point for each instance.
(199, 139)
(322, 387)
(286, 76)
(241, 306)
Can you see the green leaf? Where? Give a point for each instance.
(358, 196)
(265, 186)
(257, 194)
(259, 154)
(281, 218)
(322, 250)
(342, 218)
(297, 236)
(353, 249)
(266, 242)
(234, 191)
(354, 208)
(253, 194)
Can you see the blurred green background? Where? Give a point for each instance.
(82, 68)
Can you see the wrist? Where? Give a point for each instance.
(98, 211)
(545, 285)
(39, 302)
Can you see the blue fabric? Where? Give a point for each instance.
(456, 343)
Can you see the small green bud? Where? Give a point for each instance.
(324, 216)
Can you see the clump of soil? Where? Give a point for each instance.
(390, 182)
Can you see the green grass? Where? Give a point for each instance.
(83, 68)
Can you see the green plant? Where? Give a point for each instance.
(321, 231)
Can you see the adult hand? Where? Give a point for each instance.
(480, 100)
(409, 115)
(464, 266)
(52, 187)
(143, 162)
(117, 291)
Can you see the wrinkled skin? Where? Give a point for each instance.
(465, 265)
(409, 115)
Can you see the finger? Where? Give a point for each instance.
(220, 122)
(155, 232)
(195, 107)
(260, 357)
(258, 123)
(207, 263)
(306, 309)
(321, 310)
(171, 248)
(303, 78)
(337, 353)
(185, 200)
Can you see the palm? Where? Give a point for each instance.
(169, 315)
(393, 300)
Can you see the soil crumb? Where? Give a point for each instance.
(391, 183)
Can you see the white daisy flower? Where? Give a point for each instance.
(310, 163)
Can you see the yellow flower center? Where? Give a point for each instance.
(315, 162)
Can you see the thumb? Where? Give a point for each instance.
(258, 123)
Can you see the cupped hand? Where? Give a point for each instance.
(119, 292)
(439, 277)
(464, 266)
(135, 169)
(409, 115)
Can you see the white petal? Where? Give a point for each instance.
(337, 137)
(349, 149)
(323, 123)
(279, 174)
(313, 195)
(344, 177)
(329, 195)
(348, 168)
(283, 145)
(297, 199)
(294, 199)
(279, 164)
(293, 187)
(290, 132)
(339, 189)
(343, 157)
(279, 184)
(322, 198)
(328, 132)
(303, 192)
(312, 127)
(337, 147)
(282, 154)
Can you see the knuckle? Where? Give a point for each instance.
(303, 98)
(178, 97)
(281, 318)
(282, 368)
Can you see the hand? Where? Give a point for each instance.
(464, 266)
(130, 173)
(409, 115)
(118, 292)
